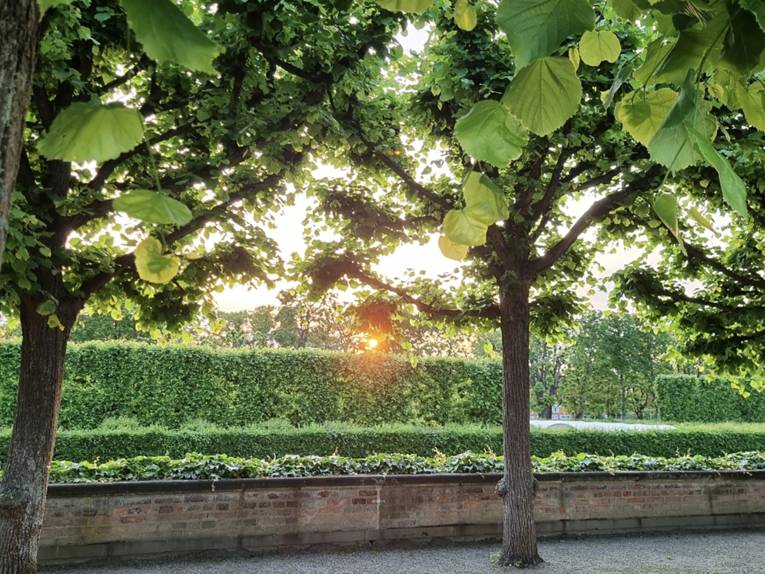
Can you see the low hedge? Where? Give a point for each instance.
(707, 399)
(195, 466)
(238, 387)
(361, 441)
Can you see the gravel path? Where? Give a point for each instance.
(740, 552)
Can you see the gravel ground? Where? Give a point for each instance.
(740, 552)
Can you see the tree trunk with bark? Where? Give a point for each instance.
(18, 43)
(519, 540)
(24, 487)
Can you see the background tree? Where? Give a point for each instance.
(198, 153)
(547, 364)
(612, 367)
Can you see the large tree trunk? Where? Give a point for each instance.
(18, 43)
(519, 540)
(23, 490)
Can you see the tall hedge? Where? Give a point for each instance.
(706, 399)
(170, 385)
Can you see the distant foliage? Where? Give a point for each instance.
(175, 384)
(199, 467)
(707, 399)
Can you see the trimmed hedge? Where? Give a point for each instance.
(356, 442)
(234, 388)
(198, 467)
(706, 399)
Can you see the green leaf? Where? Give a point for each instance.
(167, 35)
(655, 55)
(702, 219)
(46, 308)
(643, 113)
(92, 132)
(724, 86)
(671, 146)
(535, 28)
(452, 250)
(152, 265)
(694, 48)
(45, 4)
(484, 201)
(414, 6)
(54, 322)
(595, 47)
(752, 102)
(544, 94)
(665, 206)
(756, 7)
(626, 9)
(152, 207)
(463, 229)
(465, 15)
(574, 57)
(490, 133)
(685, 103)
(744, 43)
(733, 188)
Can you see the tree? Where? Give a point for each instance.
(198, 153)
(612, 367)
(547, 363)
(18, 29)
(549, 139)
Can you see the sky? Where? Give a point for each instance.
(288, 234)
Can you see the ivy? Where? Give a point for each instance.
(220, 467)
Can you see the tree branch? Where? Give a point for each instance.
(597, 211)
(140, 66)
(126, 262)
(425, 307)
(414, 186)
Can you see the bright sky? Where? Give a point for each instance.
(288, 233)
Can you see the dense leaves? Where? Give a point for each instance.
(176, 384)
(708, 399)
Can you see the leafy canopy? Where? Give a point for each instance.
(711, 53)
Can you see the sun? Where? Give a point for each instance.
(372, 344)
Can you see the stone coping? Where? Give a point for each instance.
(229, 484)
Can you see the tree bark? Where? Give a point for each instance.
(23, 490)
(18, 44)
(519, 540)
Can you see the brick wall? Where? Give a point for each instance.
(84, 522)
